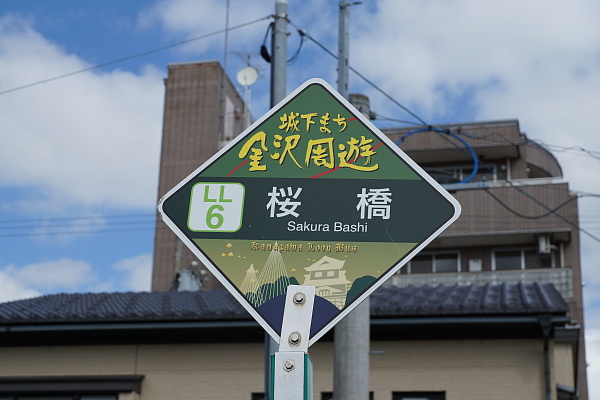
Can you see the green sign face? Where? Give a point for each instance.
(311, 194)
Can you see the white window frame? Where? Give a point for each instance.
(461, 171)
(433, 264)
(522, 250)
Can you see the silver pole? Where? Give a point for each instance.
(351, 355)
(278, 92)
(279, 53)
(343, 47)
(352, 335)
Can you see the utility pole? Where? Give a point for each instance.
(278, 92)
(279, 52)
(343, 47)
(352, 335)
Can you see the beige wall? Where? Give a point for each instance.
(469, 369)
(563, 364)
(193, 371)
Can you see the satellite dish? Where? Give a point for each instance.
(247, 76)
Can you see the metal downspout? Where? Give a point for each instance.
(546, 324)
(575, 395)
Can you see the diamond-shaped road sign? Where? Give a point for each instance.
(310, 194)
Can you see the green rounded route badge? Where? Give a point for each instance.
(311, 194)
(216, 207)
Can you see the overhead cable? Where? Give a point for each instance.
(532, 217)
(512, 184)
(73, 232)
(127, 58)
(364, 78)
(76, 225)
(471, 151)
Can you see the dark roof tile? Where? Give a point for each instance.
(389, 301)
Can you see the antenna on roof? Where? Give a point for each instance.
(246, 77)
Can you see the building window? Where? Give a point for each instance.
(73, 396)
(329, 396)
(433, 263)
(69, 387)
(528, 258)
(447, 174)
(418, 395)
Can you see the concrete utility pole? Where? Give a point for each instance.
(278, 92)
(352, 334)
(343, 47)
(279, 52)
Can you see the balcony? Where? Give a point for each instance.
(561, 278)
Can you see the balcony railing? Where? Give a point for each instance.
(561, 278)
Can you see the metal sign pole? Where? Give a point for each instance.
(291, 366)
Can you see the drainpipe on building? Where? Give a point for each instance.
(576, 328)
(546, 325)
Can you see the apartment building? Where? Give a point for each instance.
(519, 221)
(202, 112)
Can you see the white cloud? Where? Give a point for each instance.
(190, 18)
(11, 289)
(139, 270)
(68, 275)
(62, 274)
(592, 343)
(90, 139)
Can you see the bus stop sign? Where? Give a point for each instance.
(311, 194)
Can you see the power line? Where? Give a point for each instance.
(127, 58)
(560, 149)
(72, 232)
(364, 78)
(33, 220)
(551, 211)
(568, 221)
(517, 188)
(76, 225)
(381, 117)
(531, 217)
(550, 147)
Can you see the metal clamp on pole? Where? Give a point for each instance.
(291, 366)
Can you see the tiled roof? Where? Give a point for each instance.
(504, 299)
(425, 301)
(116, 307)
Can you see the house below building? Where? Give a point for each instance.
(445, 342)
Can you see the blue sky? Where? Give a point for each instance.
(79, 155)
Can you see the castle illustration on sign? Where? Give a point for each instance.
(329, 280)
(326, 275)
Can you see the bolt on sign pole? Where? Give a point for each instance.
(291, 366)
